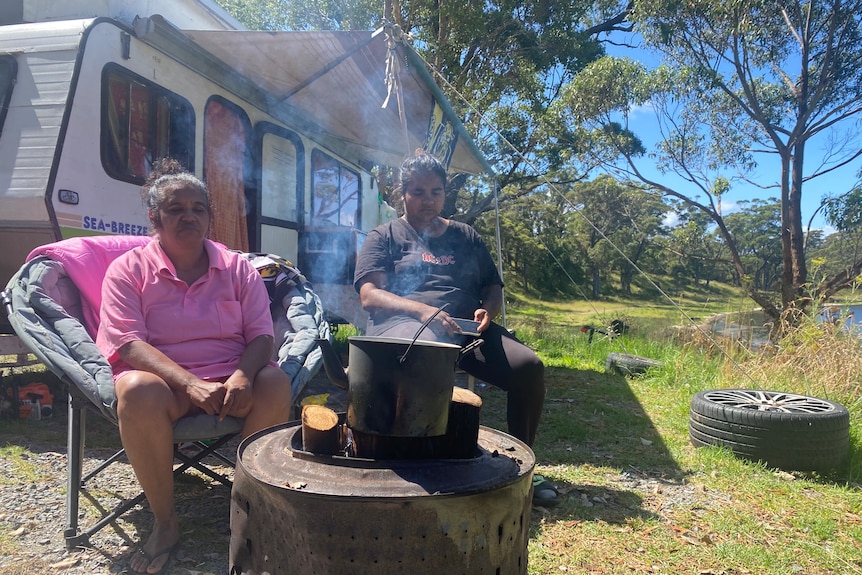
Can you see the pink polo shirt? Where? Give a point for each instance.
(204, 327)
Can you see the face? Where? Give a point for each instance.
(423, 198)
(183, 215)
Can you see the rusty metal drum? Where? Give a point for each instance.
(306, 514)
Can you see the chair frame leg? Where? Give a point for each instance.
(205, 450)
(75, 480)
(74, 465)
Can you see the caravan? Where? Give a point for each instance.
(284, 127)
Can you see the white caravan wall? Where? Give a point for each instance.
(185, 14)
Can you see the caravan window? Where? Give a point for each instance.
(8, 69)
(335, 191)
(142, 122)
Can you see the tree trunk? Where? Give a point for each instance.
(626, 279)
(597, 283)
(797, 232)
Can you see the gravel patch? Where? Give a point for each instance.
(33, 508)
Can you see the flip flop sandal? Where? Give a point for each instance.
(150, 558)
(545, 493)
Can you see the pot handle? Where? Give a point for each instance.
(470, 347)
(403, 358)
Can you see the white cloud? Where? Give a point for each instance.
(728, 207)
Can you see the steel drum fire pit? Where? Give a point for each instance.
(300, 513)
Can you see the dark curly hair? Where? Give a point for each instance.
(166, 173)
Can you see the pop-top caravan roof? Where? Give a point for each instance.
(335, 83)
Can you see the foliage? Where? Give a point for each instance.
(757, 233)
(501, 63)
(615, 228)
(745, 84)
(742, 87)
(694, 253)
(834, 258)
(540, 248)
(306, 15)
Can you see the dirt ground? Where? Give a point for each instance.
(33, 502)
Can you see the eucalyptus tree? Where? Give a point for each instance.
(693, 252)
(541, 247)
(617, 227)
(305, 15)
(837, 254)
(756, 229)
(745, 88)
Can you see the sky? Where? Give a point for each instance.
(643, 123)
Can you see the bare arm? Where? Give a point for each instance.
(255, 356)
(375, 299)
(144, 357)
(238, 397)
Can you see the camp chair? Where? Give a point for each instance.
(53, 306)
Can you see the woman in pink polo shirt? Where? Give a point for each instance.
(187, 329)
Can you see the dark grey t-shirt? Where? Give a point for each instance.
(452, 268)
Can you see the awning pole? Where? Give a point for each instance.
(499, 246)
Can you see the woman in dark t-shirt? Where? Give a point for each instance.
(452, 268)
(409, 267)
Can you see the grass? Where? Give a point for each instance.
(637, 497)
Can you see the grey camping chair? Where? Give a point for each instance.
(49, 301)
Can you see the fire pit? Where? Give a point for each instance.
(306, 514)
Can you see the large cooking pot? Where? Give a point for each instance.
(396, 386)
(399, 387)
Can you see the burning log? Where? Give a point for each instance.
(320, 431)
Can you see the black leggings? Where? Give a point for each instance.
(504, 362)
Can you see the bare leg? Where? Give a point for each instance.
(271, 405)
(147, 410)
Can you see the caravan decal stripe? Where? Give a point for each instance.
(66, 219)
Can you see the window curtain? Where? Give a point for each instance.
(225, 146)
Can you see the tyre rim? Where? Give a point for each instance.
(769, 401)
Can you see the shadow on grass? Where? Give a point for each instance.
(594, 419)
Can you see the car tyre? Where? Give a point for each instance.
(783, 430)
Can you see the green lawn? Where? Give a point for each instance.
(638, 498)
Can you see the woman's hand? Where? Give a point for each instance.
(442, 324)
(238, 396)
(483, 317)
(208, 395)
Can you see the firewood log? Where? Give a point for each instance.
(320, 432)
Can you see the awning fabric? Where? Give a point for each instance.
(337, 80)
